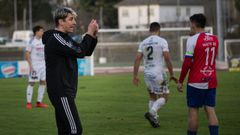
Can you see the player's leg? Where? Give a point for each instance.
(195, 100)
(161, 91)
(60, 123)
(41, 91)
(161, 100)
(210, 111)
(41, 74)
(56, 102)
(32, 78)
(29, 94)
(152, 99)
(59, 115)
(156, 101)
(212, 120)
(192, 121)
(41, 88)
(152, 96)
(73, 124)
(67, 119)
(152, 115)
(149, 116)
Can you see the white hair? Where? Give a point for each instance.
(62, 12)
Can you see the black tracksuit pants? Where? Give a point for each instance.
(67, 119)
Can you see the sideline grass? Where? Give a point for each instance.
(111, 105)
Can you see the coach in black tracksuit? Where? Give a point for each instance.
(61, 54)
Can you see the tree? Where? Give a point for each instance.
(93, 6)
(6, 12)
(237, 5)
(41, 10)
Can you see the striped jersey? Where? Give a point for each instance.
(202, 48)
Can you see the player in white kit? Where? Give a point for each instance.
(154, 51)
(35, 58)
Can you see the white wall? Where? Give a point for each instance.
(137, 15)
(169, 13)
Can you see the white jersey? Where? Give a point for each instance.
(152, 49)
(36, 49)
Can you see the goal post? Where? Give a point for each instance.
(232, 54)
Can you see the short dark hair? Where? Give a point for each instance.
(199, 19)
(154, 27)
(61, 13)
(36, 29)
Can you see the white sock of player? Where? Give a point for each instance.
(157, 105)
(29, 93)
(41, 90)
(150, 104)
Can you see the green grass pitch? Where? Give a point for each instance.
(111, 105)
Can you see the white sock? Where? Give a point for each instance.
(157, 105)
(150, 104)
(29, 93)
(41, 90)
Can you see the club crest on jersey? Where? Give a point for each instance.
(207, 71)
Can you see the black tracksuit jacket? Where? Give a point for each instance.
(61, 54)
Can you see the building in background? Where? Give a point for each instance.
(138, 14)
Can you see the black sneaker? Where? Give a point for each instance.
(153, 121)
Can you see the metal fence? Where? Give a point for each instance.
(118, 47)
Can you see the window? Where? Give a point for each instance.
(151, 12)
(129, 27)
(139, 12)
(178, 11)
(125, 13)
(188, 11)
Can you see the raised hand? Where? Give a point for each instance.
(93, 28)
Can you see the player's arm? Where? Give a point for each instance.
(90, 39)
(88, 44)
(137, 63)
(185, 68)
(167, 59)
(28, 55)
(85, 48)
(28, 58)
(58, 45)
(168, 63)
(187, 63)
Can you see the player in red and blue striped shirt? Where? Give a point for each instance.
(200, 62)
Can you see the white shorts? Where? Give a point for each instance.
(38, 73)
(157, 83)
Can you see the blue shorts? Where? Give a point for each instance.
(200, 97)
